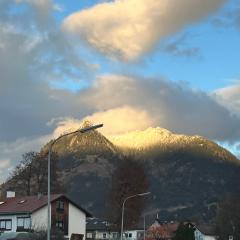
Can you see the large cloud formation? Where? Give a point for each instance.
(127, 29)
(34, 53)
(32, 50)
(171, 105)
(229, 97)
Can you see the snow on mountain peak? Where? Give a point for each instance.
(149, 138)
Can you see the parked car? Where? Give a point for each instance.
(17, 236)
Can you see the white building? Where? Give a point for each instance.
(205, 233)
(18, 214)
(134, 234)
(98, 229)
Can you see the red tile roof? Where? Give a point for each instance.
(30, 204)
(26, 204)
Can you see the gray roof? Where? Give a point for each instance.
(97, 224)
(209, 230)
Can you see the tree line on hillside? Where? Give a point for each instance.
(129, 178)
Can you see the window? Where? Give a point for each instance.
(130, 235)
(60, 205)
(59, 224)
(140, 234)
(23, 223)
(89, 235)
(5, 224)
(104, 235)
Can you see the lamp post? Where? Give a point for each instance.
(144, 226)
(81, 130)
(144, 222)
(136, 195)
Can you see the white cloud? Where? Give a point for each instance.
(116, 121)
(122, 119)
(171, 105)
(127, 29)
(4, 163)
(229, 97)
(11, 152)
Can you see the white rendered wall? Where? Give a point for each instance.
(210, 238)
(14, 222)
(77, 221)
(39, 219)
(200, 236)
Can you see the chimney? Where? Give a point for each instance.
(10, 194)
(39, 195)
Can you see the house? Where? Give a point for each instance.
(205, 232)
(98, 229)
(19, 214)
(133, 234)
(162, 230)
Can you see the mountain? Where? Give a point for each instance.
(188, 175)
(156, 140)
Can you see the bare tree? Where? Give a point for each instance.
(129, 178)
(30, 176)
(23, 174)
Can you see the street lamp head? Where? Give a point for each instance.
(143, 194)
(89, 128)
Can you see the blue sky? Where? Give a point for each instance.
(131, 64)
(215, 64)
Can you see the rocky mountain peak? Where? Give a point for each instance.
(91, 141)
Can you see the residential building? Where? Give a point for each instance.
(162, 230)
(205, 232)
(133, 234)
(30, 213)
(98, 229)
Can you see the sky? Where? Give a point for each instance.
(130, 64)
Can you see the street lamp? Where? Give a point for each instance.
(136, 195)
(144, 222)
(81, 130)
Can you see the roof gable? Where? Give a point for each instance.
(30, 204)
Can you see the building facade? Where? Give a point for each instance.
(203, 232)
(21, 214)
(98, 229)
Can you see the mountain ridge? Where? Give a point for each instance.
(189, 171)
(154, 137)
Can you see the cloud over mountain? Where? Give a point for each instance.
(171, 105)
(127, 29)
(229, 97)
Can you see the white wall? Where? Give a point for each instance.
(200, 236)
(134, 234)
(39, 219)
(77, 221)
(14, 221)
(210, 238)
